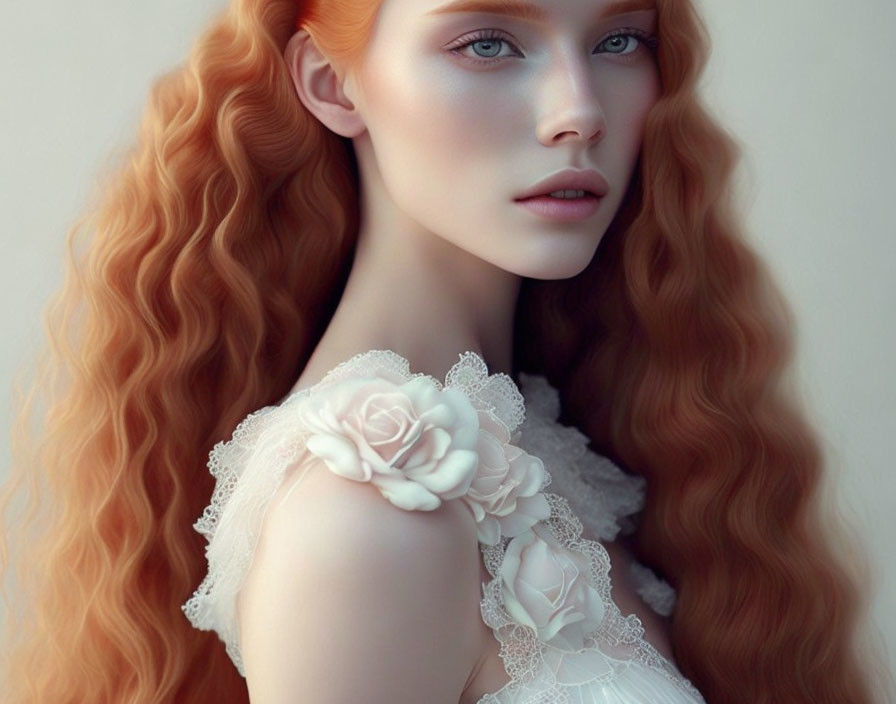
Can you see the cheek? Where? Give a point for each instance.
(439, 132)
(437, 106)
(627, 110)
(475, 109)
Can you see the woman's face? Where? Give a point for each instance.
(468, 107)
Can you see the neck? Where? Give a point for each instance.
(422, 297)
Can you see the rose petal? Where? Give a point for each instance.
(538, 564)
(410, 496)
(560, 623)
(534, 475)
(478, 512)
(467, 418)
(535, 601)
(594, 607)
(488, 531)
(545, 586)
(491, 454)
(370, 455)
(457, 469)
(519, 614)
(388, 419)
(529, 511)
(432, 445)
(425, 395)
(340, 455)
(491, 424)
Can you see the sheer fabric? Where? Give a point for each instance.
(535, 490)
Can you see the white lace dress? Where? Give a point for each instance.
(476, 438)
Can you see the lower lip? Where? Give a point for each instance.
(562, 209)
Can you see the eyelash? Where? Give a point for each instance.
(647, 40)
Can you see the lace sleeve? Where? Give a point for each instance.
(418, 442)
(248, 470)
(607, 500)
(562, 637)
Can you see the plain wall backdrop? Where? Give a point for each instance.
(806, 87)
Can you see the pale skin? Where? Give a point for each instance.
(444, 146)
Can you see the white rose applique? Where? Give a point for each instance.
(545, 587)
(505, 496)
(415, 442)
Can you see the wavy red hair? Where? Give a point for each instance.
(203, 280)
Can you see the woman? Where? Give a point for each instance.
(328, 179)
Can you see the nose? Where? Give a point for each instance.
(572, 111)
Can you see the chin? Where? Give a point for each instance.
(551, 270)
(554, 262)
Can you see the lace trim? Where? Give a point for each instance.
(607, 500)
(250, 467)
(541, 673)
(655, 592)
(600, 493)
(469, 374)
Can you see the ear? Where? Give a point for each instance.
(321, 86)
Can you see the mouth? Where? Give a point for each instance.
(562, 206)
(568, 184)
(563, 195)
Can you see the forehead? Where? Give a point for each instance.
(548, 15)
(534, 10)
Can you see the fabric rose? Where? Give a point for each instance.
(545, 587)
(505, 495)
(415, 442)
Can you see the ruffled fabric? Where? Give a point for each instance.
(369, 419)
(607, 500)
(421, 441)
(578, 662)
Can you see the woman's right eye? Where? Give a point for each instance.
(486, 47)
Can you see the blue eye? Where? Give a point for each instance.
(487, 44)
(629, 38)
(491, 47)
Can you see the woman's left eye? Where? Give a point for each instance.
(628, 41)
(486, 45)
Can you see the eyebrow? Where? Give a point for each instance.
(521, 9)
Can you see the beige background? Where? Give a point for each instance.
(806, 86)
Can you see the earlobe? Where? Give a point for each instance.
(320, 86)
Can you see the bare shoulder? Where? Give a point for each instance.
(323, 502)
(344, 585)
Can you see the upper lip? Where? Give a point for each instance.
(569, 180)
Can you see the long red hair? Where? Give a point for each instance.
(201, 283)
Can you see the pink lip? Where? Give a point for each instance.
(569, 180)
(562, 209)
